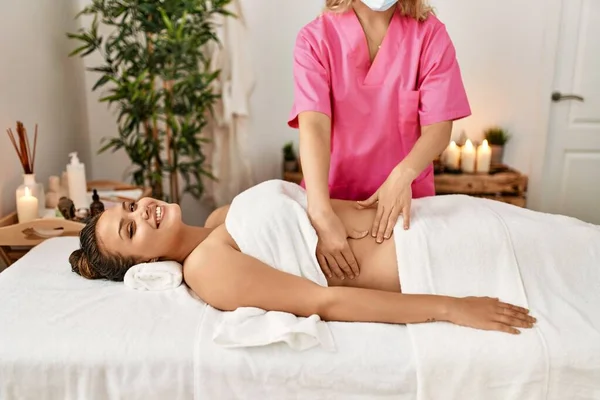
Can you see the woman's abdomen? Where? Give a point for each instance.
(377, 261)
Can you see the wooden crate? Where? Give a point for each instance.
(503, 184)
(295, 177)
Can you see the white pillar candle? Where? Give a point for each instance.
(452, 156)
(484, 158)
(27, 207)
(468, 157)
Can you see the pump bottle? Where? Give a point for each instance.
(77, 182)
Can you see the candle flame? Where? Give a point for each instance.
(452, 144)
(27, 191)
(484, 144)
(469, 144)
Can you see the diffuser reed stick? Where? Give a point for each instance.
(22, 147)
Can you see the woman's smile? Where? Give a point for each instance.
(159, 214)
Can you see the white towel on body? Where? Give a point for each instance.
(270, 222)
(153, 276)
(462, 246)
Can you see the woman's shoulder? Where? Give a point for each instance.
(205, 254)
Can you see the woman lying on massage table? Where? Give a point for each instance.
(225, 277)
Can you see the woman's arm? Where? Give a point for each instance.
(228, 279)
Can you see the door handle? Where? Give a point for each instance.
(558, 96)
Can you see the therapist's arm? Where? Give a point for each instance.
(333, 251)
(315, 148)
(433, 141)
(393, 198)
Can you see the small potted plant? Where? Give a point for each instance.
(290, 161)
(497, 138)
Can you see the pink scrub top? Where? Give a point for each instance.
(376, 110)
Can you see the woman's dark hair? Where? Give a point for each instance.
(91, 262)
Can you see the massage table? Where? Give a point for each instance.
(63, 337)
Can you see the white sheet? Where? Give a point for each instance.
(371, 362)
(462, 246)
(64, 337)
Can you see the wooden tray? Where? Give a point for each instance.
(17, 239)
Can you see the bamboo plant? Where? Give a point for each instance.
(155, 72)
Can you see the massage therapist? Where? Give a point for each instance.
(377, 86)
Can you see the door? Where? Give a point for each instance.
(572, 161)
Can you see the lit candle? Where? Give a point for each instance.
(452, 157)
(27, 207)
(468, 157)
(484, 158)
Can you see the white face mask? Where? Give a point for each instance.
(379, 5)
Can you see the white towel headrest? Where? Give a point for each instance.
(153, 276)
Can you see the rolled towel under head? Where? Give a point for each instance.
(154, 276)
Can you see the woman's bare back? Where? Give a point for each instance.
(377, 262)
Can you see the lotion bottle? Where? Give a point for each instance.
(77, 182)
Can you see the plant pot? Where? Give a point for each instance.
(497, 154)
(290, 166)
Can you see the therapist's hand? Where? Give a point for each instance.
(392, 199)
(333, 252)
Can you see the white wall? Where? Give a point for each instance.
(39, 84)
(501, 49)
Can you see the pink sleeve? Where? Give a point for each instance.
(311, 82)
(443, 96)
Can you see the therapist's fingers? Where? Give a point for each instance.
(324, 266)
(383, 224)
(343, 264)
(351, 260)
(391, 223)
(377, 220)
(370, 202)
(334, 267)
(406, 216)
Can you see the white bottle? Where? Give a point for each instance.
(77, 182)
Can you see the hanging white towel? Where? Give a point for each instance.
(228, 126)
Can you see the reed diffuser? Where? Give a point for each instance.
(30, 195)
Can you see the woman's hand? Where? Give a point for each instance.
(392, 198)
(489, 314)
(333, 252)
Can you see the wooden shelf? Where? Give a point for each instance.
(503, 184)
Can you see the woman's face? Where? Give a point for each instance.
(145, 230)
